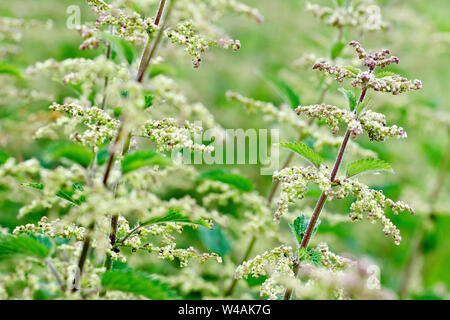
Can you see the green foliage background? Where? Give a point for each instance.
(270, 48)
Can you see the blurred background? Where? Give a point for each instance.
(419, 35)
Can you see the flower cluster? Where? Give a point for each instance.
(369, 202)
(372, 122)
(271, 263)
(169, 134)
(294, 183)
(362, 15)
(124, 23)
(394, 84)
(195, 45)
(100, 126)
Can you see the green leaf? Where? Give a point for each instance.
(175, 215)
(64, 194)
(137, 283)
(366, 165)
(304, 151)
(143, 158)
(3, 157)
(300, 225)
(38, 186)
(161, 68)
(215, 240)
(310, 255)
(315, 256)
(360, 107)
(9, 69)
(234, 180)
(285, 90)
(73, 152)
(351, 98)
(29, 245)
(120, 45)
(148, 102)
(336, 49)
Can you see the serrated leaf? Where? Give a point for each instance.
(120, 45)
(310, 255)
(234, 180)
(9, 69)
(63, 194)
(137, 283)
(175, 215)
(299, 227)
(28, 245)
(143, 158)
(336, 49)
(304, 151)
(285, 90)
(315, 256)
(73, 152)
(366, 165)
(351, 98)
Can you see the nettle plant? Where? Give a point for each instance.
(317, 266)
(103, 202)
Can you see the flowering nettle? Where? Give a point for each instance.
(394, 84)
(362, 15)
(191, 24)
(369, 202)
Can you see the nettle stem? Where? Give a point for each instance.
(147, 56)
(323, 198)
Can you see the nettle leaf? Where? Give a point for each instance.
(28, 245)
(234, 180)
(351, 98)
(143, 158)
(305, 151)
(336, 49)
(310, 255)
(285, 90)
(175, 215)
(138, 283)
(73, 152)
(6, 68)
(215, 240)
(366, 165)
(63, 194)
(300, 225)
(122, 46)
